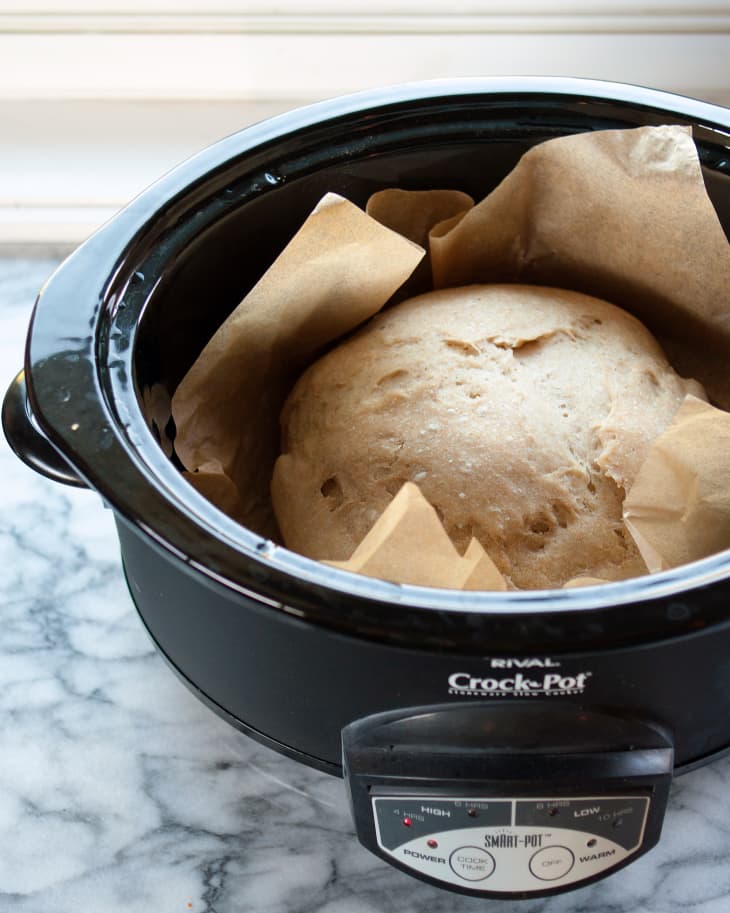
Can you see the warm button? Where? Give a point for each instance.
(472, 863)
(551, 863)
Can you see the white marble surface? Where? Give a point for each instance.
(120, 793)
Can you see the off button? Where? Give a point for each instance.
(472, 863)
(551, 863)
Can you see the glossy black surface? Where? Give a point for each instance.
(137, 302)
(26, 439)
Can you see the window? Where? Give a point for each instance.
(98, 97)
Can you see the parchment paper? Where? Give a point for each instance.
(678, 509)
(338, 270)
(413, 213)
(583, 581)
(408, 544)
(619, 214)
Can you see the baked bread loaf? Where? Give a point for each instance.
(522, 412)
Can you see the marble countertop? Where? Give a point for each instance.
(121, 793)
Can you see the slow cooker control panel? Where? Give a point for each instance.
(518, 845)
(523, 798)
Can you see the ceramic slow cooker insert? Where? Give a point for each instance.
(497, 744)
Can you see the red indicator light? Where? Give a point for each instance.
(407, 822)
(432, 843)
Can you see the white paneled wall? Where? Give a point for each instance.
(98, 97)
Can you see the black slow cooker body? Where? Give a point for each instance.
(295, 685)
(293, 652)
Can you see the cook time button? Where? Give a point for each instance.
(472, 863)
(551, 863)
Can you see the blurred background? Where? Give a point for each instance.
(100, 97)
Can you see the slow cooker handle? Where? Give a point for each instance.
(27, 440)
(514, 799)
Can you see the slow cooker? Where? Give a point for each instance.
(496, 744)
